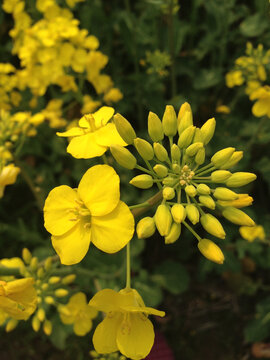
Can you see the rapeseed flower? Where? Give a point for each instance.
(250, 233)
(126, 326)
(262, 105)
(8, 176)
(91, 213)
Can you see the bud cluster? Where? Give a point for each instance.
(189, 189)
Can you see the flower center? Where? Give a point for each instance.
(186, 175)
(81, 212)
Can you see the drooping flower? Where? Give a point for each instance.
(8, 176)
(94, 135)
(126, 326)
(78, 313)
(91, 213)
(18, 298)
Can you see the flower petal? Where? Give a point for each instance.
(104, 338)
(135, 336)
(105, 300)
(56, 210)
(75, 131)
(73, 245)
(108, 135)
(110, 233)
(103, 115)
(99, 189)
(261, 107)
(82, 326)
(85, 147)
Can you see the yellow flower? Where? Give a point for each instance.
(250, 233)
(18, 298)
(113, 95)
(94, 135)
(91, 213)
(234, 78)
(15, 262)
(242, 201)
(126, 326)
(262, 105)
(78, 313)
(223, 109)
(3, 317)
(8, 176)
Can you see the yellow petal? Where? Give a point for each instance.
(85, 147)
(66, 315)
(108, 135)
(104, 339)
(135, 336)
(56, 210)
(103, 115)
(82, 326)
(73, 245)
(261, 107)
(110, 233)
(99, 189)
(75, 131)
(78, 300)
(106, 300)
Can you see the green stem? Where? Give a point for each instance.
(197, 236)
(205, 171)
(128, 266)
(204, 168)
(172, 51)
(105, 160)
(138, 206)
(143, 169)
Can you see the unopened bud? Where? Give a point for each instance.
(143, 181)
(68, 279)
(240, 179)
(146, 227)
(163, 219)
(184, 118)
(48, 263)
(220, 176)
(211, 251)
(207, 130)
(203, 189)
(178, 213)
(242, 201)
(198, 136)
(61, 293)
(194, 148)
(160, 170)
(123, 157)
(41, 314)
(54, 280)
(124, 128)
(175, 153)
(26, 255)
(34, 263)
(186, 137)
(234, 159)
(207, 201)
(191, 190)
(176, 168)
(35, 324)
(168, 193)
(44, 286)
(144, 148)
(47, 327)
(160, 152)
(192, 213)
(49, 300)
(155, 128)
(174, 234)
(169, 181)
(222, 156)
(200, 156)
(237, 216)
(40, 272)
(222, 193)
(169, 121)
(212, 226)
(11, 325)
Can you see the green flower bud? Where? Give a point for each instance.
(61, 293)
(144, 148)
(203, 189)
(68, 279)
(169, 121)
(234, 159)
(212, 226)
(222, 193)
(186, 137)
(34, 263)
(48, 263)
(160, 170)
(123, 156)
(178, 213)
(160, 152)
(168, 193)
(207, 201)
(185, 120)
(194, 148)
(198, 136)
(237, 216)
(169, 181)
(200, 156)
(163, 219)
(176, 168)
(41, 314)
(40, 272)
(175, 153)
(26, 255)
(191, 190)
(207, 130)
(222, 156)
(174, 234)
(220, 176)
(124, 128)
(142, 181)
(155, 128)
(146, 227)
(192, 213)
(240, 179)
(211, 251)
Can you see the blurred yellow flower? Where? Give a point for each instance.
(8, 176)
(126, 326)
(113, 95)
(223, 109)
(78, 313)
(15, 262)
(91, 213)
(250, 233)
(262, 105)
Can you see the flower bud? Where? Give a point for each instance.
(11, 325)
(160, 152)
(168, 193)
(222, 193)
(185, 120)
(178, 213)
(211, 251)
(54, 280)
(44, 286)
(123, 156)
(176, 168)
(169, 181)
(174, 234)
(237, 216)
(155, 129)
(192, 213)
(175, 153)
(207, 201)
(34, 263)
(203, 189)
(220, 176)
(198, 136)
(49, 300)
(48, 263)
(207, 130)
(163, 219)
(222, 156)
(200, 156)
(35, 324)
(212, 226)
(169, 121)
(240, 179)
(191, 190)
(47, 327)
(186, 137)
(160, 170)
(194, 148)
(142, 181)
(144, 148)
(40, 272)
(242, 201)
(26, 255)
(234, 159)
(146, 227)
(68, 279)
(41, 314)
(61, 293)
(124, 128)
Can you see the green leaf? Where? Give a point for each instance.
(253, 25)
(207, 78)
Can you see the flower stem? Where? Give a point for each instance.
(192, 231)
(128, 266)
